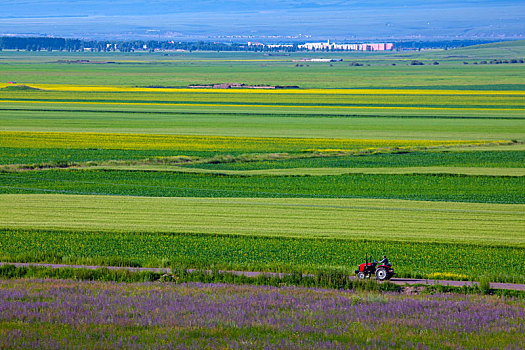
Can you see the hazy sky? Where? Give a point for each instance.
(210, 18)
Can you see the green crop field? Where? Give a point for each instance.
(296, 217)
(267, 234)
(464, 158)
(117, 160)
(254, 252)
(226, 123)
(435, 187)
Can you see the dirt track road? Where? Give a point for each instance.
(399, 281)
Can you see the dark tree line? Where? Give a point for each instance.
(61, 44)
(37, 44)
(438, 44)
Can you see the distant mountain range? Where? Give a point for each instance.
(270, 20)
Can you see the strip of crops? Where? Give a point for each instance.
(201, 143)
(434, 260)
(317, 98)
(497, 159)
(380, 100)
(468, 171)
(377, 91)
(483, 189)
(284, 106)
(114, 112)
(387, 219)
(218, 110)
(241, 122)
(485, 159)
(58, 156)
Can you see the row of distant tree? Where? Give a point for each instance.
(61, 44)
(438, 44)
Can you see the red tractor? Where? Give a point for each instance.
(382, 272)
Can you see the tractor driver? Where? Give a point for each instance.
(384, 261)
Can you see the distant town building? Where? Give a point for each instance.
(319, 60)
(328, 46)
(276, 46)
(251, 43)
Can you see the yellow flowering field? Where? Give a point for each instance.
(99, 88)
(87, 140)
(334, 99)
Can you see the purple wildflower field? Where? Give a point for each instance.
(58, 314)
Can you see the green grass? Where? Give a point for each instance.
(504, 49)
(436, 187)
(273, 124)
(184, 69)
(489, 224)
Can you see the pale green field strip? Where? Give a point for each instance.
(225, 122)
(373, 130)
(475, 171)
(99, 88)
(511, 147)
(269, 106)
(495, 224)
(47, 113)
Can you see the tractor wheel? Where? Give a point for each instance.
(381, 274)
(361, 275)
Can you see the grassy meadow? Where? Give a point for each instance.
(217, 315)
(116, 159)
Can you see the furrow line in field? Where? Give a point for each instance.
(246, 114)
(266, 105)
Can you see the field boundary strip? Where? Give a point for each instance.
(469, 171)
(247, 114)
(99, 88)
(263, 105)
(398, 281)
